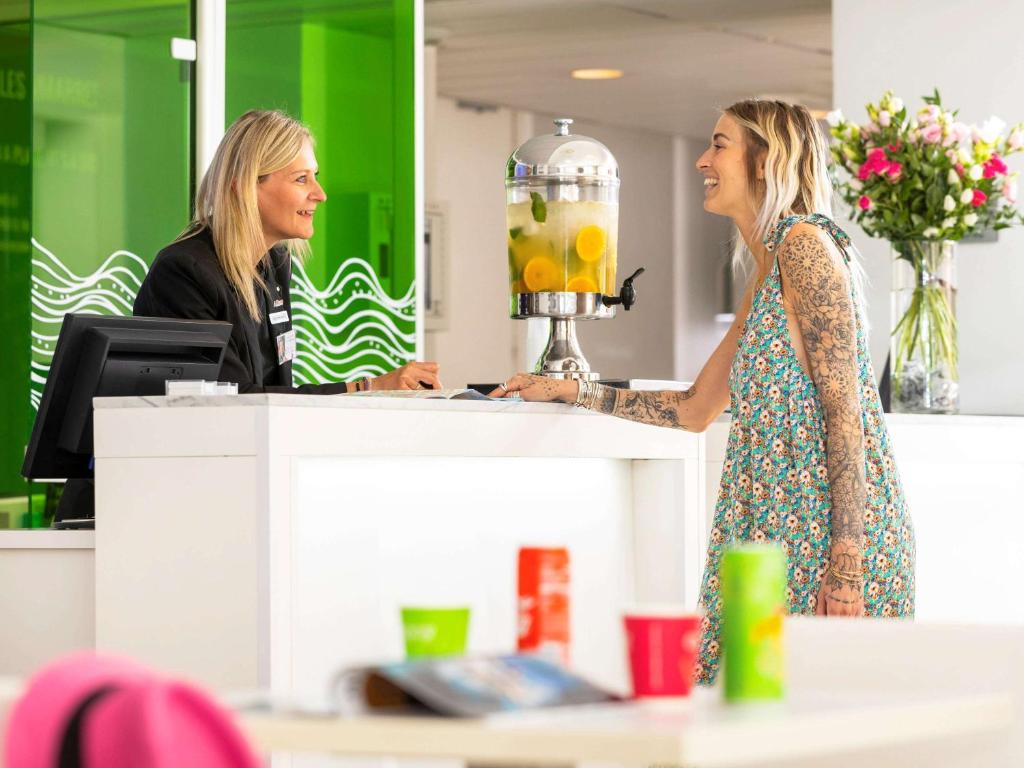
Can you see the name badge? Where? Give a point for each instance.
(285, 347)
(276, 318)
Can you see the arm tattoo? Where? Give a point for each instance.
(826, 315)
(658, 408)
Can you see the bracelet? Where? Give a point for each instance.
(583, 394)
(362, 385)
(847, 576)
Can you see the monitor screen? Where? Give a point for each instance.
(109, 356)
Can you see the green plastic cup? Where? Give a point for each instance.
(753, 607)
(435, 631)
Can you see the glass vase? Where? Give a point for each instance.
(925, 376)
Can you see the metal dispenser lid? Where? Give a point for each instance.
(562, 156)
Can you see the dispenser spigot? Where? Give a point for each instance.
(627, 296)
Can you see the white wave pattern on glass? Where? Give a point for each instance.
(56, 290)
(353, 328)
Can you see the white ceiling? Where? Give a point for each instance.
(683, 59)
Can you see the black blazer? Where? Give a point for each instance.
(186, 281)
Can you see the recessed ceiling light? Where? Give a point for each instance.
(596, 74)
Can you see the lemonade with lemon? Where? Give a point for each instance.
(562, 245)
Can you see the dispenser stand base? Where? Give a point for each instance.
(562, 358)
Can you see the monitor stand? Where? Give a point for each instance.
(77, 506)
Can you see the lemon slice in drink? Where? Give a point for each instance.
(581, 284)
(591, 242)
(540, 274)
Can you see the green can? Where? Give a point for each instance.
(753, 592)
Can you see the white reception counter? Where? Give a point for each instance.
(266, 540)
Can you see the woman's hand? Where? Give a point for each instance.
(842, 594)
(539, 388)
(409, 376)
(840, 598)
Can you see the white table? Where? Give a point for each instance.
(823, 730)
(807, 730)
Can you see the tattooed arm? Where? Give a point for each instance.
(817, 282)
(692, 409)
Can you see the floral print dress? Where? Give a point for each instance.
(775, 479)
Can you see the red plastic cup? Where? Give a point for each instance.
(662, 651)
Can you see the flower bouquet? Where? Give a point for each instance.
(923, 182)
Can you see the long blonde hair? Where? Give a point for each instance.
(257, 144)
(786, 142)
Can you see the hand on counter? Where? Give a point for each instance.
(410, 376)
(538, 389)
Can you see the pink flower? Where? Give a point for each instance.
(928, 114)
(894, 170)
(864, 202)
(1010, 191)
(931, 133)
(876, 163)
(979, 198)
(993, 166)
(959, 169)
(961, 132)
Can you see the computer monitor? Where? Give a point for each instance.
(109, 356)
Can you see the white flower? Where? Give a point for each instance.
(931, 233)
(964, 155)
(835, 117)
(975, 172)
(991, 129)
(953, 178)
(856, 185)
(966, 197)
(948, 203)
(1016, 140)
(971, 219)
(895, 104)
(949, 222)
(884, 118)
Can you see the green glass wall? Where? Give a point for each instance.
(95, 146)
(98, 184)
(15, 261)
(345, 68)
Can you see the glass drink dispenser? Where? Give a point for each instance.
(562, 211)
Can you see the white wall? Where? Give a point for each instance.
(468, 150)
(702, 264)
(973, 53)
(662, 227)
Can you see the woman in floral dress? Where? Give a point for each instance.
(809, 463)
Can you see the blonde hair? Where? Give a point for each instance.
(786, 142)
(257, 144)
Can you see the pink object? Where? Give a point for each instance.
(662, 652)
(979, 198)
(864, 202)
(993, 166)
(114, 713)
(932, 134)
